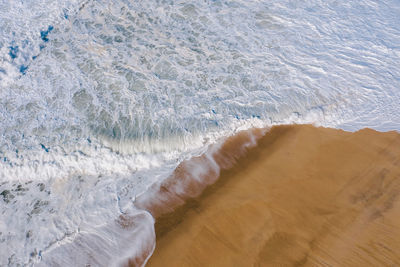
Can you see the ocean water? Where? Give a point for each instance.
(101, 99)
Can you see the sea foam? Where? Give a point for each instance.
(100, 101)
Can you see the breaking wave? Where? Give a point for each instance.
(102, 103)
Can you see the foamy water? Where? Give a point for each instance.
(99, 100)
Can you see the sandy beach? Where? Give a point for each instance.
(303, 196)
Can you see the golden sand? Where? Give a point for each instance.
(303, 196)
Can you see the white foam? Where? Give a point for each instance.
(111, 244)
(124, 91)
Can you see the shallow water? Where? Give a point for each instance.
(100, 99)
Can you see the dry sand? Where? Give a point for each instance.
(303, 196)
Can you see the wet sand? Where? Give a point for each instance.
(303, 196)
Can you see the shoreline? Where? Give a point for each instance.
(301, 195)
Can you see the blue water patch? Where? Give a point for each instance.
(44, 34)
(45, 148)
(13, 51)
(23, 69)
(65, 14)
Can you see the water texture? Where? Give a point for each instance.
(100, 99)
